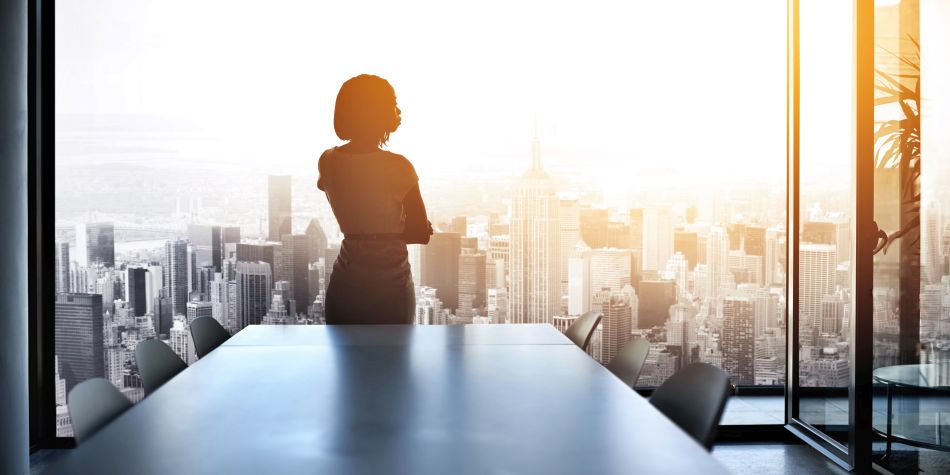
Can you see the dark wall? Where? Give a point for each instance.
(14, 425)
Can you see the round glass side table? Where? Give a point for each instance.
(906, 427)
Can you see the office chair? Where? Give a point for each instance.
(157, 364)
(629, 361)
(93, 404)
(207, 334)
(694, 398)
(583, 328)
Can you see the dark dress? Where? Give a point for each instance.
(371, 282)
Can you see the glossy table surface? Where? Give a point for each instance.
(927, 376)
(392, 408)
(349, 335)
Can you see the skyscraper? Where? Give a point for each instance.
(175, 274)
(197, 309)
(135, 290)
(569, 217)
(578, 280)
(79, 337)
(738, 338)
(257, 252)
(636, 228)
(62, 267)
(207, 243)
(254, 283)
(95, 244)
(687, 243)
(440, 267)
(472, 291)
(594, 223)
(317, 240)
(616, 322)
(609, 269)
(498, 250)
(717, 262)
(534, 275)
(818, 263)
(655, 299)
(657, 238)
(295, 267)
(278, 207)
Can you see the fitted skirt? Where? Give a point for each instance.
(370, 284)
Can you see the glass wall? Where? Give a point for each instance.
(627, 159)
(826, 190)
(911, 278)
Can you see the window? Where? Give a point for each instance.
(573, 157)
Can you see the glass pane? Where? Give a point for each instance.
(911, 278)
(825, 200)
(567, 165)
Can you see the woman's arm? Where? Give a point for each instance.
(418, 227)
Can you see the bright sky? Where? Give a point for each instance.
(692, 86)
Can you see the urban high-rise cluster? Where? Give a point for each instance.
(700, 279)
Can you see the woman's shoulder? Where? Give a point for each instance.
(403, 163)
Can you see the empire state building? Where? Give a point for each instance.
(534, 273)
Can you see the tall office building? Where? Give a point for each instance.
(832, 314)
(818, 263)
(440, 267)
(609, 269)
(615, 325)
(578, 280)
(162, 312)
(498, 250)
(534, 280)
(636, 228)
(153, 285)
(95, 244)
(657, 238)
(471, 285)
(175, 276)
(257, 252)
(219, 299)
(197, 309)
(594, 224)
(295, 267)
(254, 282)
(278, 207)
(497, 305)
(229, 235)
(460, 225)
(774, 259)
(79, 337)
(738, 338)
(687, 243)
(62, 267)
(717, 262)
(207, 244)
(179, 339)
(655, 299)
(317, 240)
(136, 290)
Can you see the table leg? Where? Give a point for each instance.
(890, 415)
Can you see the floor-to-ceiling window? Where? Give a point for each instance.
(187, 136)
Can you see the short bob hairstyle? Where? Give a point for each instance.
(366, 109)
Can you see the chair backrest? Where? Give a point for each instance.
(207, 334)
(694, 398)
(157, 364)
(629, 361)
(92, 404)
(583, 328)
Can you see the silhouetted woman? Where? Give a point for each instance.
(375, 196)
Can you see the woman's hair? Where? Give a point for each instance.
(366, 108)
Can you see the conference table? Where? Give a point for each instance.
(458, 399)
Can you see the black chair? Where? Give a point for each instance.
(694, 398)
(207, 334)
(157, 364)
(93, 404)
(583, 328)
(628, 363)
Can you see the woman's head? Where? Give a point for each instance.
(366, 110)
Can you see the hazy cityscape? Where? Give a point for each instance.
(700, 274)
